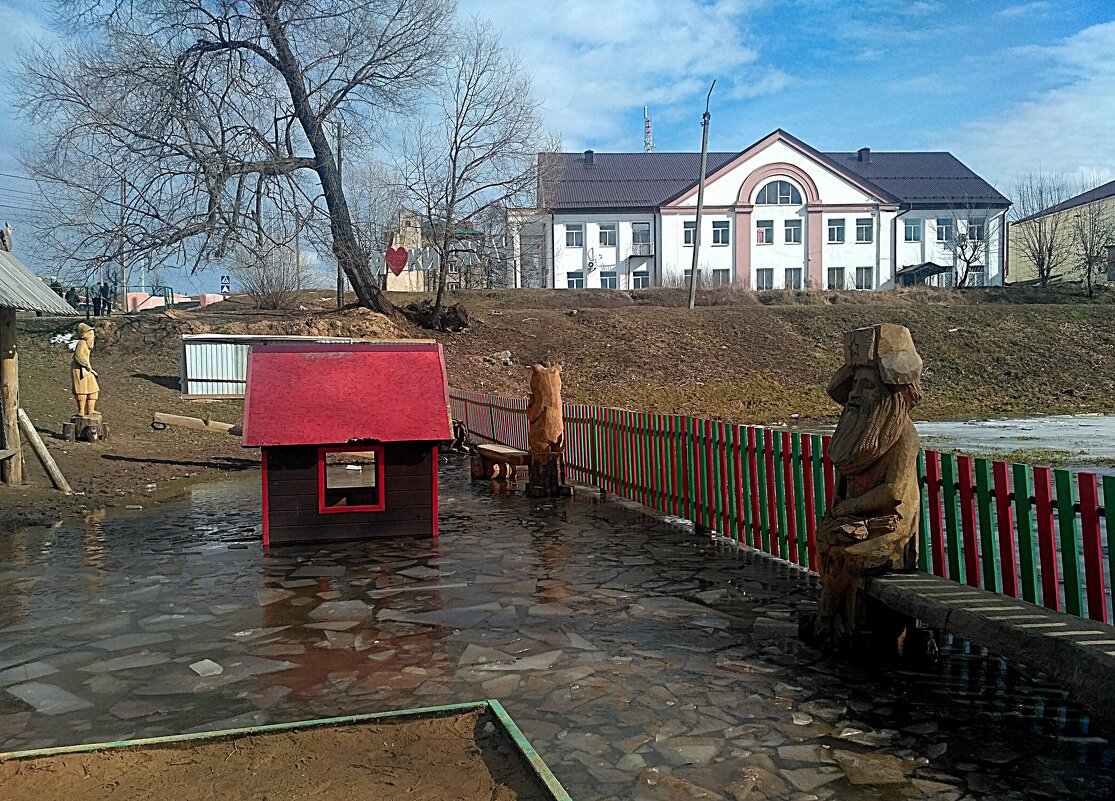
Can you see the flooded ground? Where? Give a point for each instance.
(1082, 442)
(642, 661)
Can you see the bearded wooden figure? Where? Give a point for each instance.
(546, 435)
(870, 528)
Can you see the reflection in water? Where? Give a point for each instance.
(620, 643)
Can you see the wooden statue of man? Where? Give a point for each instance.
(85, 387)
(874, 449)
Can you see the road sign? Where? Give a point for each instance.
(226, 284)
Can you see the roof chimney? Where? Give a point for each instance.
(588, 158)
(864, 154)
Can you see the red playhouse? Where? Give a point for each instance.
(349, 435)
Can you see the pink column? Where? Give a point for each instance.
(815, 271)
(743, 246)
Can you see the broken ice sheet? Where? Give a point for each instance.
(206, 667)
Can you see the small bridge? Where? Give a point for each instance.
(1013, 557)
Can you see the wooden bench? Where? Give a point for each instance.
(498, 462)
(1077, 652)
(7, 453)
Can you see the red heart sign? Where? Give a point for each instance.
(397, 259)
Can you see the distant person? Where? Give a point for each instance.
(72, 297)
(106, 298)
(96, 300)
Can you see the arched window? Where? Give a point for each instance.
(779, 193)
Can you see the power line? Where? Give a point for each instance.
(20, 177)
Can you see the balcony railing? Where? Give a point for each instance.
(642, 249)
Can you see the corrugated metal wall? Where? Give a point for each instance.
(213, 365)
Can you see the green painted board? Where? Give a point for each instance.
(1070, 548)
(734, 517)
(780, 497)
(952, 517)
(745, 482)
(761, 469)
(816, 451)
(923, 517)
(986, 526)
(1023, 508)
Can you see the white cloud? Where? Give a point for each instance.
(1068, 128)
(1023, 9)
(596, 64)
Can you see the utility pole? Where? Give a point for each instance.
(340, 273)
(700, 200)
(123, 264)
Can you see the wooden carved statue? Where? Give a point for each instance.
(874, 449)
(85, 387)
(546, 436)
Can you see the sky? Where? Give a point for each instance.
(1008, 87)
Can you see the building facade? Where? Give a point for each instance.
(1052, 228)
(776, 215)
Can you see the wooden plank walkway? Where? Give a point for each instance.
(1077, 652)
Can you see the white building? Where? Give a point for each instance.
(778, 214)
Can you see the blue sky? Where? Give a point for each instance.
(1006, 86)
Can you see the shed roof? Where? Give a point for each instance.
(1101, 192)
(22, 289)
(332, 394)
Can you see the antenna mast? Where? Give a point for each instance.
(648, 132)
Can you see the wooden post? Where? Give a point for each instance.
(39, 448)
(11, 470)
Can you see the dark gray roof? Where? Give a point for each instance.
(649, 180)
(1101, 192)
(22, 289)
(922, 178)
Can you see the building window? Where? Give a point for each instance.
(453, 286)
(574, 235)
(640, 239)
(454, 268)
(607, 235)
(864, 276)
(976, 229)
(913, 230)
(793, 232)
(721, 277)
(764, 232)
(865, 230)
(779, 193)
(836, 232)
(944, 229)
(640, 280)
(689, 231)
(793, 278)
(836, 278)
(608, 279)
(977, 276)
(350, 479)
(575, 280)
(764, 278)
(721, 234)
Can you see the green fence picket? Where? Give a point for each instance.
(1023, 512)
(780, 497)
(986, 526)
(1070, 549)
(761, 472)
(924, 563)
(799, 499)
(952, 517)
(816, 451)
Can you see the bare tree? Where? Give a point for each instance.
(972, 226)
(267, 273)
(1042, 239)
(477, 147)
(174, 127)
(1092, 232)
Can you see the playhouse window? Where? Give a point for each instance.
(350, 479)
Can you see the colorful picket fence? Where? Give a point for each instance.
(1026, 531)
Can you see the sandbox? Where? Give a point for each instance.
(450, 753)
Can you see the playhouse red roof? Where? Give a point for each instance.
(334, 394)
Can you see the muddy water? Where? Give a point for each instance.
(642, 661)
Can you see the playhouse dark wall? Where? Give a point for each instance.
(292, 504)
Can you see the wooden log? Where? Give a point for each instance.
(547, 476)
(11, 470)
(39, 448)
(196, 424)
